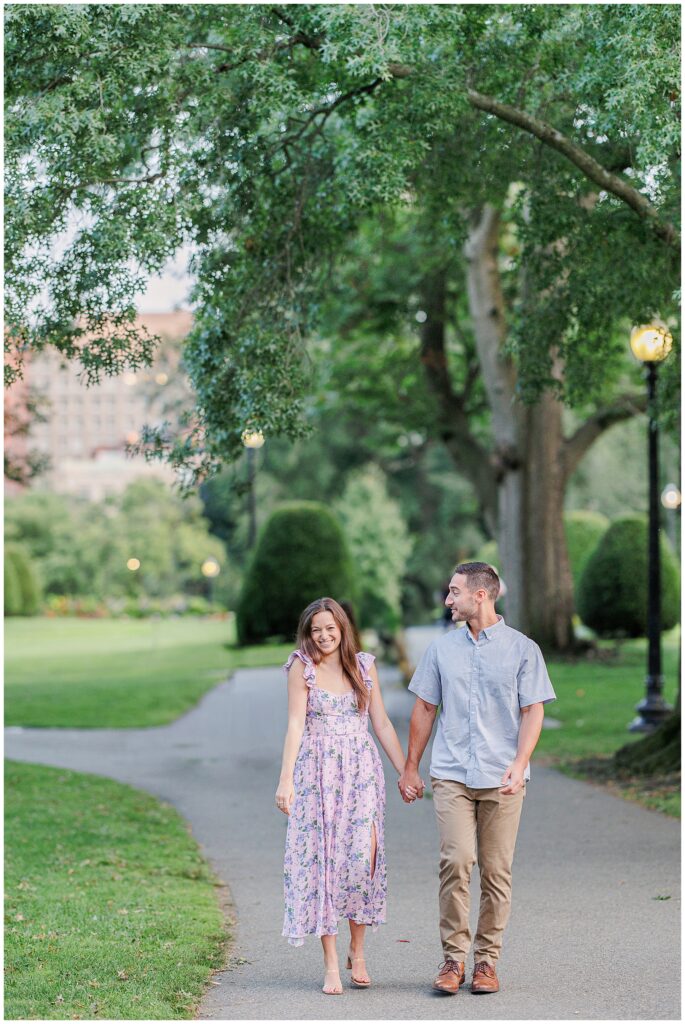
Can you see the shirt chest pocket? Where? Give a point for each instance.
(500, 686)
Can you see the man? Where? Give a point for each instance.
(492, 684)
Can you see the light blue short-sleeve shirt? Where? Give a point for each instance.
(482, 685)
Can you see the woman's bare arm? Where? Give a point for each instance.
(297, 710)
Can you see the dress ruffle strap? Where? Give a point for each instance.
(365, 662)
(309, 667)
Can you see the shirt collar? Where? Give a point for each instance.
(488, 631)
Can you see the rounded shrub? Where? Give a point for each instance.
(584, 529)
(27, 580)
(612, 593)
(301, 554)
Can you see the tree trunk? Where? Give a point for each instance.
(528, 462)
(548, 608)
(658, 753)
(521, 478)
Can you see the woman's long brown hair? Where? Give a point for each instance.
(348, 646)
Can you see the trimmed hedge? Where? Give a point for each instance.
(301, 554)
(612, 595)
(26, 597)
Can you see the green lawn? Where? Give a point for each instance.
(596, 699)
(110, 909)
(99, 673)
(595, 703)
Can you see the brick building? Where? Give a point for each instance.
(86, 429)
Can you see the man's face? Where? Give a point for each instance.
(461, 600)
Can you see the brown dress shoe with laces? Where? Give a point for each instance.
(450, 976)
(484, 979)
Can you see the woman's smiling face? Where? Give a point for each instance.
(326, 632)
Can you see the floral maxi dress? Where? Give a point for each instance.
(339, 799)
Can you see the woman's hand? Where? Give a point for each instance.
(285, 794)
(411, 785)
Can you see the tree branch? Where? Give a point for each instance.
(66, 190)
(577, 445)
(587, 164)
(325, 112)
(466, 451)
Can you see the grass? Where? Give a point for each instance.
(111, 911)
(595, 703)
(114, 673)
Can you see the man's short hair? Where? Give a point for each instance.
(480, 576)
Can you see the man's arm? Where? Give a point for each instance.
(532, 718)
(420, 728)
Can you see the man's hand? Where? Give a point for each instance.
(411, 785)
(512, 780)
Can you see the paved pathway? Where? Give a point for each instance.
(589, 937)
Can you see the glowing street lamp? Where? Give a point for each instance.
(252, 439)
(210, 567)
(651, 344)
(671, 497)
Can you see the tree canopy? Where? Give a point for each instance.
(266, 135)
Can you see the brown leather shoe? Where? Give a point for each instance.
(484, 979)
(450, 976)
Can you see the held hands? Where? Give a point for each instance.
(512, 780)
(285, 794)
(411, 785)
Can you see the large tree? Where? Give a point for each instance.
(537, 144)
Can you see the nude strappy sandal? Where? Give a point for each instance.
(350, 961)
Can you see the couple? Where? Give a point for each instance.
(491, 683)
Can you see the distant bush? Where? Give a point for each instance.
(489, 554)
(612, 594)
(379, 545)
(87, 607)
(301, 554)
(584, 529)
(82, 548)
(27, 589)
(90, 607)
(12, 589)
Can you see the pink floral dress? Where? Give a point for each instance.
(339, 798)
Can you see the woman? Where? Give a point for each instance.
(332, 788)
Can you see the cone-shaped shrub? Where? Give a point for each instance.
(301, 554)
(27, 580)
(12, 588)
(612, 594)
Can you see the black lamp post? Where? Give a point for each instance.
(651, 344)
(210, 570)
(252, 439)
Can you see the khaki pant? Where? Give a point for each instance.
(482, 823)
